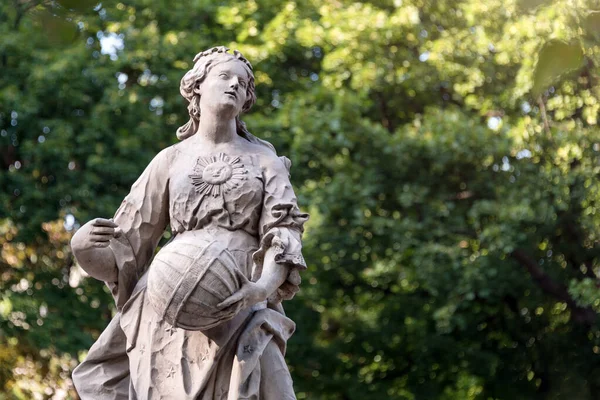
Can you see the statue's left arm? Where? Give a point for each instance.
(279, 259)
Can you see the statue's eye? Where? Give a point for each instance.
(223, 75)
(243, 84)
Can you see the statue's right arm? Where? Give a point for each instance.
(118, 250)
(90, 248)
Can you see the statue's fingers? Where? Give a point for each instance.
(234, 298)
(232, 309)
(100, 238)
(294, 277)
(101, 244)
(103, 230)
(104, 222)
(289, 288)
(227, 302)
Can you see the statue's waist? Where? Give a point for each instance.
(231, 239)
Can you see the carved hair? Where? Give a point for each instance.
(203, 63)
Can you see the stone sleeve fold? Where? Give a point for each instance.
(143, 217)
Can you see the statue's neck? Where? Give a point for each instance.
(212, 129)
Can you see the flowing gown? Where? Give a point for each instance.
(246, 203)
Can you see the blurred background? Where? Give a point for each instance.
(448, 152)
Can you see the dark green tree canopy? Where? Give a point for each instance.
(448, 152)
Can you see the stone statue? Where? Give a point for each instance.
(203, 318)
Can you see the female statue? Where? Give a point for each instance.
(203, 318)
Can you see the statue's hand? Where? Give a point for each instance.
(96, 233)
(90, 248)
(249, 294)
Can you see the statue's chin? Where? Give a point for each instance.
(225, 110)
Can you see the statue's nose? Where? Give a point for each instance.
(235, 83)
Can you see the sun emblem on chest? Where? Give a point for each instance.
(218, 174)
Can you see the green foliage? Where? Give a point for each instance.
(447, 151)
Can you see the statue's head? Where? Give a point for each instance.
(215, 71)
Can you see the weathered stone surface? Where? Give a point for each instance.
(203, 319)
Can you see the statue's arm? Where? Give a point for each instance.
(273, 274)
(272, 277)
(279, 257)
(117, 250)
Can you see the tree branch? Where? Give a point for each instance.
(386, 120)
(544, 115)
(581, 315)
(22, 8)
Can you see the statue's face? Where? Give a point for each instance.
(224, 88)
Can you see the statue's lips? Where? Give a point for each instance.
(232, 94)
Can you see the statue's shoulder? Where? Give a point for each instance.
(269, 160)
(174, 151)
(163, 158)
(267, 157)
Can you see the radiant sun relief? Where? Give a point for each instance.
(217, 174)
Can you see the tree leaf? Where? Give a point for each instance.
(78, 5)
(592, 24)
(556, 60)
(57, 29)
(531, 5)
